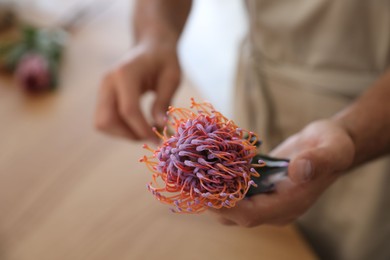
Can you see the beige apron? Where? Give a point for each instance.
(305, 60)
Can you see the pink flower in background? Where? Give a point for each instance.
(33, 73)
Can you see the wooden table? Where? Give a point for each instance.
(67, 192)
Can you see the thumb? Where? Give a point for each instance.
(167, 85)
(313, 163)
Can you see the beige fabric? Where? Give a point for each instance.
(305, 60)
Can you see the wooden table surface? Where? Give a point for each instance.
(67, 192)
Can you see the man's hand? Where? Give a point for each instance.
(318, 154)
(152, 65)
(147, 67)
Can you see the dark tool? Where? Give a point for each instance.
(274, 170)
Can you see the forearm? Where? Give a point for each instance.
(160, 20)
(367, 121)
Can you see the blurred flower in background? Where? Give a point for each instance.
(33, 73)
(34, 56)
(32, 48)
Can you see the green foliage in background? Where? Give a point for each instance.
(48, 43)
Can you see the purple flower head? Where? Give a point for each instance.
(205, 161)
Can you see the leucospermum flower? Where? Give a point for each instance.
(33, 73)
(205, 163)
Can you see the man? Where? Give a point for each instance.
(313, 72)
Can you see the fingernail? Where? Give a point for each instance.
(303, 170)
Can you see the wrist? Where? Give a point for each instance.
(157, 35)
(156, 31)
(156, 49)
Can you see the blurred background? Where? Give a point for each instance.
(67, 192)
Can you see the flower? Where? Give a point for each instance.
(205, 163)
(33, 73)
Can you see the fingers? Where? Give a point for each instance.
(321, 148)
(118, 111)
(167, 85)
(279, 208)
(128, 96)
(106, 116)
(146, 67)
(313, 163)
(243, 214)
(318, 154)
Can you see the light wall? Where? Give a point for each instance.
(209, 48)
